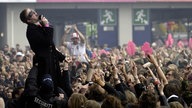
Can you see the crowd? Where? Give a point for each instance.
(110, 79)
(75, 75)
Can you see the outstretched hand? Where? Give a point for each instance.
(96, 77)
(152, 59)
(74, 26)
(44, 20)
(161, 87)
(134, 68)
(68, 29)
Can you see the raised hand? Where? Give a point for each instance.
(134, 68)
(152, 59)
(68, 29)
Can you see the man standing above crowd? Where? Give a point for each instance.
(40, 36)
(77, 46)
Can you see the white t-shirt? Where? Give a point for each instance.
(77, 50)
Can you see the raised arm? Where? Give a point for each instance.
(66, 32)
(159, 70)
(81, 36)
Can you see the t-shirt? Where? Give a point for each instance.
(77, 50)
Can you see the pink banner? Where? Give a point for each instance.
(163, 0)
(71, 1)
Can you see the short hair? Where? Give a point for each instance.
(172, 67)
(131, 97)
(17, 91)
(111, 102)
(172, 88)
(95, 94)
(23, 17)
(92, 104)
(148, 99)
(77, 100)
(175, 104)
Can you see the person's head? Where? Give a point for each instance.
(173, 92)
(171, 75)
(21, 69)
(75, 38)
(47, 85)
(19, 56)
(6, 48)
(175, 105)
(111, 102)
(148, 99)
(28, 16)
(171, 89)
(17, 92)
(77, 100)
(130, 96)
(96, 92)
(172, 67)
(8, 92)
(17, 46)
(92, 104)
(76, 86)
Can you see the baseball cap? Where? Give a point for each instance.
(19, 54)
(75, 35)
(47, 83)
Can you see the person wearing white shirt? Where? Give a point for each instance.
(77, 46)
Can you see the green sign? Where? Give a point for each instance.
(140, 16)
(91, 29)
(108, 16)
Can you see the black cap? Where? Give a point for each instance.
(47, 83)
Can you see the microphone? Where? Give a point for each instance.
(40, 21)
(40, 17)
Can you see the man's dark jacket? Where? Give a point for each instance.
(46, 56)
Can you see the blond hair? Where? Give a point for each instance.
(175, 104)
(77, 100)
(92, 104)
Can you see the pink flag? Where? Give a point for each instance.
(131, 48)
(147, 48)
(190, 43)
(180, 44)
(169, 42)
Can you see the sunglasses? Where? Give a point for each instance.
(30, 14)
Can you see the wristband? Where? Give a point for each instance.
(156, 82)
(47, 25)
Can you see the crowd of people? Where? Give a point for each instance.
(77, 76)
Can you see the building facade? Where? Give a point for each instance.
(112, 23)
